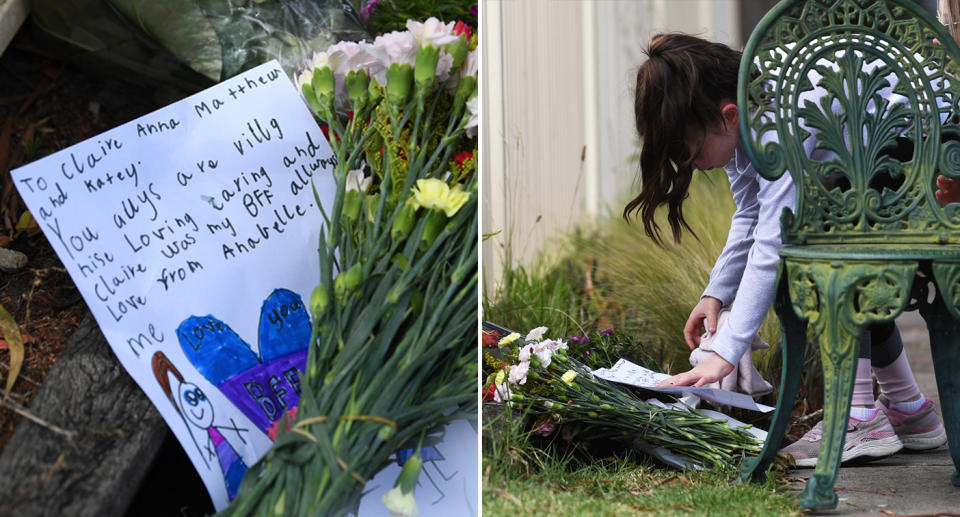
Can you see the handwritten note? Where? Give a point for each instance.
(191, 233)
(625, 372)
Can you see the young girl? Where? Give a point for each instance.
(687, 117)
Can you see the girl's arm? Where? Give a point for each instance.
(756, 286)
(729, 267)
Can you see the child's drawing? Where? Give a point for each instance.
(265, 385)
(431, 457)
(197, 412)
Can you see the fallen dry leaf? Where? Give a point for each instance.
(15, 343)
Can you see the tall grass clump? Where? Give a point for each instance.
(541, 295)
(659, 286)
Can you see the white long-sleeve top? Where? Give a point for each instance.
(747, 266)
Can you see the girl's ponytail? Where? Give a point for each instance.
(679, 89)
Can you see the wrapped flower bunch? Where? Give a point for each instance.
(393, 355)
(540, 376)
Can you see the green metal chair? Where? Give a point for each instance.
(866, 223)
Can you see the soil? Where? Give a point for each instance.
(47, 104)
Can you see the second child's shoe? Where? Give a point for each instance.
(873, 438)
(920, 430)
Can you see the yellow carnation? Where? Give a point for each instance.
(434, 193)
(568, 377)
(508, 339)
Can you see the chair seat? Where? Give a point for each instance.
(879, 251)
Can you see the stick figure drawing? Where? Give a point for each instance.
(197, 413)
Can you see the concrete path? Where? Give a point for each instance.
(905, 483)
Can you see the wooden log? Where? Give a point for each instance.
(100, 435)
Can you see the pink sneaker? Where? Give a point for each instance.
(873, 438)
(920, 430)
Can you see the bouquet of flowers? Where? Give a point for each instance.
(394, 333)
(546, 381)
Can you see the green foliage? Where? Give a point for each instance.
(392, 15)
(393, 346)
(603, 348)
(530, 297)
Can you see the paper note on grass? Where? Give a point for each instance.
(191, 233)
(625, 372)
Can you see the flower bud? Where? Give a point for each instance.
(435, 222)
(458, 51)
(352, 203)
(346, 282)
(424, 75)
(403, 222)
(375, 92)
(399, 78)
(319, 300)
(466, 88)
(356, 84)
(311, 98)
(354, 276)
(373, 202)
(324, 86)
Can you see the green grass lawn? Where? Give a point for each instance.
(614, 488)
(524, 474)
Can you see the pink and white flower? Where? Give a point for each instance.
(525, 352)
(536, 334)
(518, 373)
(474, 107)
(357, 181)
(555, 344)
(432, 32)
(393, 48)
(502, 393)
(543, 353)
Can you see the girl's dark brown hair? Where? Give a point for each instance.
(161, 367)
(679, 86)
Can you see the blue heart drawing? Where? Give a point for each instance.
(263, 386)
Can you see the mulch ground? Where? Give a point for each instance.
(46, 105)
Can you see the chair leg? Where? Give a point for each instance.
(839, 347)
(944, 331)
(794, 331)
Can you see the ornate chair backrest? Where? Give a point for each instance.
(856, 100)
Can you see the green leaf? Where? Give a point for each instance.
(11, 332)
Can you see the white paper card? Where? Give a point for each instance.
(625, 372)
(448, 483)
(191, 233)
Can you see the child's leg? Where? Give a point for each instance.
(893, 372)
(913, 417)
(863, 402)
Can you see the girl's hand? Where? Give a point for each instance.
(709, 308)
(948, 190)
(711, 370)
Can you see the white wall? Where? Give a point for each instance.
(557, 97)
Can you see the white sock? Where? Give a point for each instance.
(911, 406)
(862, 413)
